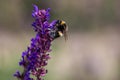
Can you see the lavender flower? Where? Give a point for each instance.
(36, 57)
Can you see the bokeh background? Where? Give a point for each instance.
(92, 51)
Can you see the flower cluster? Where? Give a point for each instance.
(36, 57)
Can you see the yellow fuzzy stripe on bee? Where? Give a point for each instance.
(63, 22)
(60, 33)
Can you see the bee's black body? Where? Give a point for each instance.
(59, 30)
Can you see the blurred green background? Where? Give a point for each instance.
(92, 51)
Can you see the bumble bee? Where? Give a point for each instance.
(59, 29)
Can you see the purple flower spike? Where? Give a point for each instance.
(36, 57)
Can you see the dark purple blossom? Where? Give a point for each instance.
(36, 57)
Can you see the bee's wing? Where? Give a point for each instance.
(65, 35)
